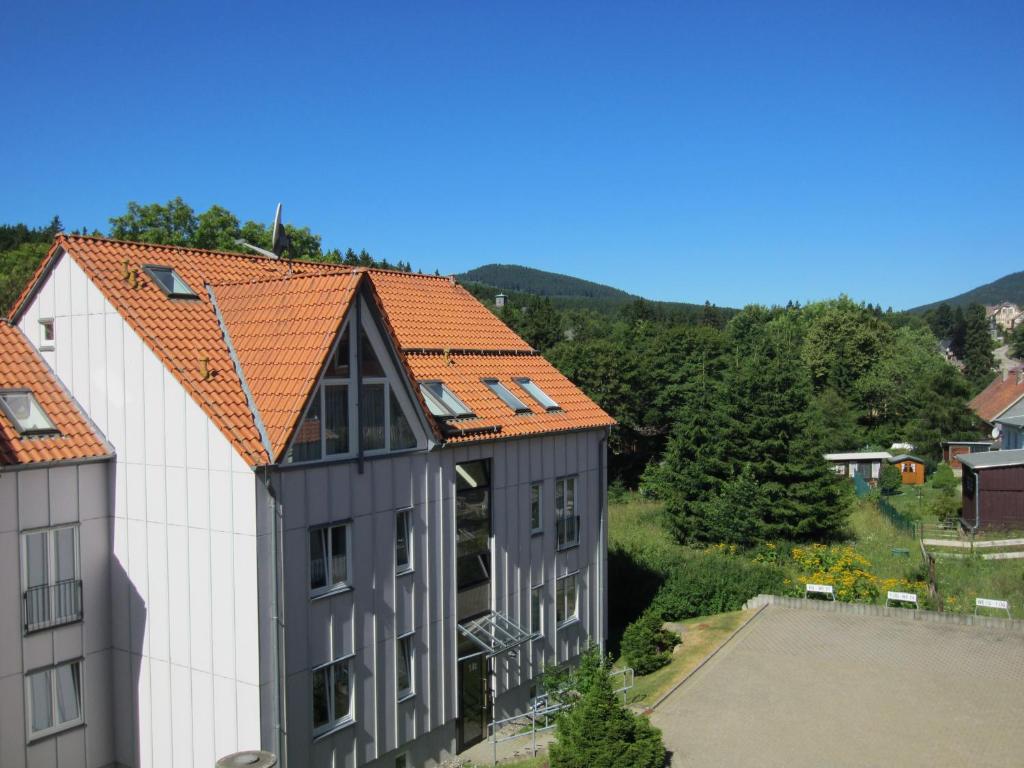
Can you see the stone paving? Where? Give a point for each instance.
(814, 688)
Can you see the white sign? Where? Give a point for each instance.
(1002, 605)
(825, 589)
(905, 597)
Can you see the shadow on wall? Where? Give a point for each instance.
(128, 616)
(631, 588)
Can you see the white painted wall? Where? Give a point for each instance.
(185, 657)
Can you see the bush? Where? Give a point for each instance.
(646, 645)
(944, 479)
(713, 582)
(891, 480)
(598, 731)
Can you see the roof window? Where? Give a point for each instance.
(538, 394)
(442, 402)
(26, 414)
(506, 396)
(170, 282)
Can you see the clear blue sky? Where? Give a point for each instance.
(737, 152)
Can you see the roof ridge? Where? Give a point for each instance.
(289, 275)
(468, 351)
(403, 273)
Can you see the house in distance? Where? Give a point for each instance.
(352, 515)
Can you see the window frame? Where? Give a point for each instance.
(47, 344)
(436, 403)
(559, 603)
(403, 694)
(562, 484)
(50, 431)
(536, 505)
(506, 395)
(333, 724)
(51, 572)
(533, 389)
(330, 588)
(33, 736)
(406, 513)
(152, 269)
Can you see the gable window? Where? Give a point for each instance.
(54, 699)
(442, 402)
(567, 522)
(538, 394)
(170, 282)
(403, 540)
(536, 521)
(405, 652)
(329, 555)
(47, 335)
(566, 602)
(332, 696)
(506, 396)
(536, 616)
(26, 414)
(51, 581)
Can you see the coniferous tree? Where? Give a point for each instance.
(977, 347)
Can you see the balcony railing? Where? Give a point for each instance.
(51, 605)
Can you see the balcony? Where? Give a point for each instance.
(51, 605)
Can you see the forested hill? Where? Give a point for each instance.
(565, 291)
(1008, 288)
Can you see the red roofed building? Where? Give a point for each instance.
(1004, 391)
(353, 514)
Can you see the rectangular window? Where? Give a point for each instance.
(306, 443)
(403, 540)
(473, 522)
(405, 651)
(371, 416)
(25, 413)
(336, 418)
(54, 699)
(506, 396)
(332, 696)
(538, 394)
(536, 615)
(402, 436)
(46, 334)
(51, 581)
(566, 520)
(328, 558)
(170, 282)
(442, 402)
(536, 522)
(565, 598)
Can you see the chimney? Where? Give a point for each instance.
(499, 300)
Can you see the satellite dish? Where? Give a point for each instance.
(995, 432)
(279, 240)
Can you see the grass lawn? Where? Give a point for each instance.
(921, 502)
(541, 761)
(702, 636)
(875, 538)
(638, 525)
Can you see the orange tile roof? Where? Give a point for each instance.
(998, 396)
(21, 367)
(305, 310)
(281, 316)
(462, 373)
(428, 312)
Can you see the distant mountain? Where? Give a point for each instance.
(564, 291)
(509, 277)
(1009, 288)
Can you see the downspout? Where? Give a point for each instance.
(602, 541)
(277, 616)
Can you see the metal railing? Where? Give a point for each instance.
(51, 605)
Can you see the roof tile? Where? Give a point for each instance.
(999, 395)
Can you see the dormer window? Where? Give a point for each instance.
(442, 402)
(506, 396)
(538, 394)
(26, 414)
(170, 282)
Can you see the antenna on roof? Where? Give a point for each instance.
(279, 240)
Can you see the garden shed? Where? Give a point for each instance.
(911, 468)
(864, 464)
(993, 490)
(953, 449)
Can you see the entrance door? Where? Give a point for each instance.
(472, 701)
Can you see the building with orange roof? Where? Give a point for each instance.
(55, 564)
(353, 514)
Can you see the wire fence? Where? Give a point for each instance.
(898, 519)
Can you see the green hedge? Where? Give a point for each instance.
(714, 582)
(646, 646)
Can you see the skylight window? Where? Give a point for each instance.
(506, 396)
(442, 402)
(170, 282)
(538, 394)
(26, 414)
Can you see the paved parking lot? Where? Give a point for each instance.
(813, 688)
